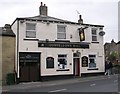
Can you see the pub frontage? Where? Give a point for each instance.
(48, 48)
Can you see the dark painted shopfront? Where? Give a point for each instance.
(29, 64)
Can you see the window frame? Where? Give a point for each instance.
(94, 34)
(61, 32)
(93, 56)
(31, 31)
(62, 66)
(47, 63)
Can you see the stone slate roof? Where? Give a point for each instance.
(52, 19)
(46, 18)
(6, 31)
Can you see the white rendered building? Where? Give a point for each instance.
(49, 48)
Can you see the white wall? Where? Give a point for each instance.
(45, 31)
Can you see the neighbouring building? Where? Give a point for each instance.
(8, 51)
(113, 47)
(49, 48)
(118, 45)
(119, 21)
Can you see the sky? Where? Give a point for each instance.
(100, 12)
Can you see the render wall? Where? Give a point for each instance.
(49, 31)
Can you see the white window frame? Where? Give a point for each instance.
(61, 34)
(62, 66)
(94, 35)
(31, 31)
(94, 60)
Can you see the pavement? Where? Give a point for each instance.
(29, 85)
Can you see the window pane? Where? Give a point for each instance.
(94, 32)
(61, 29)
(61, 35)
(61, 32)
(30, 26)
(92, 60)
(62, 61)
(94, 38)
(30, 30)
(30, 34)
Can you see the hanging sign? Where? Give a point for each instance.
(81, 34)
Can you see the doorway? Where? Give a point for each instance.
(29, 67)
(76, 65)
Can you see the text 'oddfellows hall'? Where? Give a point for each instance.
(50, 48)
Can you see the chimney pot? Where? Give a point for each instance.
(80, 19)
(41, 3)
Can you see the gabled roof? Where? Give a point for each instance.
(6, 31)
(53, 19)
(46, 18)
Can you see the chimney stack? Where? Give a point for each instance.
(43, 9)
(80, 19)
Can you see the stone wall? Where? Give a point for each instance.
(8, 56)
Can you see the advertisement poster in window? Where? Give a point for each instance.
(84, 61)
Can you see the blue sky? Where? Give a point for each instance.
(101, 12)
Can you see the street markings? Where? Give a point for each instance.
(58, 90)
(4, 90)
(92, 84)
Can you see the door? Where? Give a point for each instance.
(29, 67)
(76, 62)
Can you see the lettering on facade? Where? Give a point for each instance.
(29, 57)
(62, 45)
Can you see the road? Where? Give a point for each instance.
(94, 84)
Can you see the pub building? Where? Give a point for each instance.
(50, 48)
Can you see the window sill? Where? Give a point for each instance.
(92, 69)
(31, 39)
(62, 69)
(95, 42)
(62, 40)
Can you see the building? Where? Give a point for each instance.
(119, 21)
(50, 48)
(110, 48)
(8, 52)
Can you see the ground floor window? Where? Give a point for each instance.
(92, 61)
(62, 61)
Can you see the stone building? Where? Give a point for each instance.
(112, 47)
(8, 51)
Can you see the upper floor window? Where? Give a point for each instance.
(94, 34)
(61, 32)
(30, 30)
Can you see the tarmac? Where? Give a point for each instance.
(28, 85)
(48, 83)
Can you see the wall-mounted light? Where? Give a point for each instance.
(78, 52)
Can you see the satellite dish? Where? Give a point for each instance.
(101, 33)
